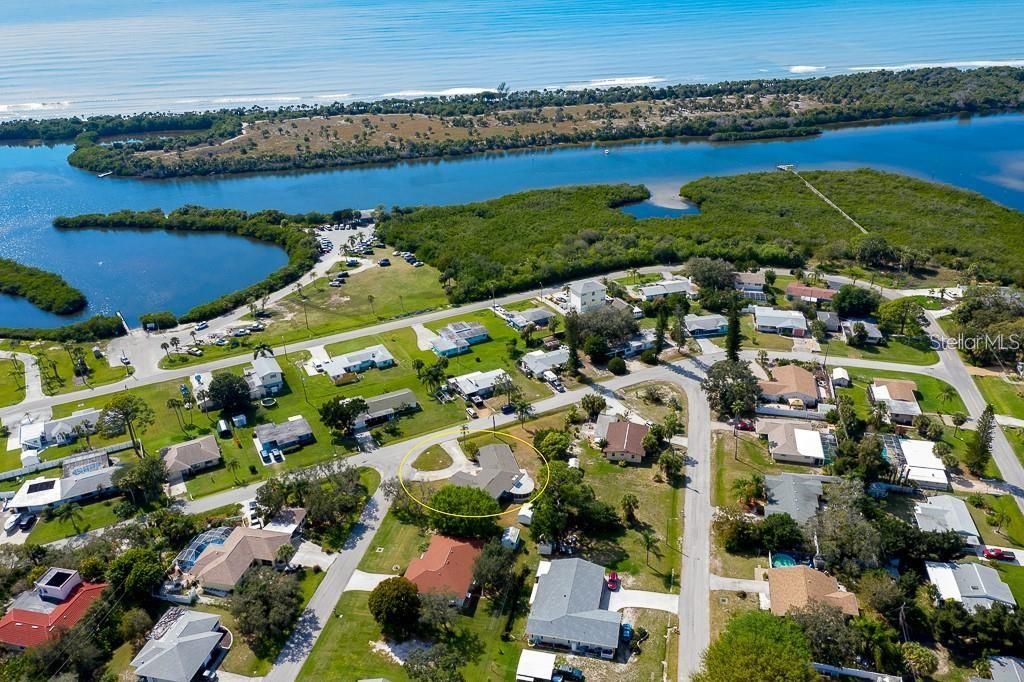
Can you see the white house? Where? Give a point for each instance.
(973, 585)
(43, 434)
(667, 287)
(784, 322)
(264, 377)
(537, 362)
(84, 476)
(361, 360)
(941, 513)
(586, 295)
(921, 466)
(477, 383)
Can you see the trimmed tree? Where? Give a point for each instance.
(395, 605)
(774, 647)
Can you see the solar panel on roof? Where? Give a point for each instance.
(39, 487)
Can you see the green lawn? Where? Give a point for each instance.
(929, 390)
(927, 302)
(756, 340)
(894, 350)
(12, 382)
(343, 650)
(1013, 576)
(56, 367)
(1010, 534)
(399, 543)
(1005, 397)
(94, 515)
(240, 660)
(740, 458)
(433, 458)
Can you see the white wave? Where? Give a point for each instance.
(247, 100)
(33, 106)
(335, 97)
(625, 82)
(450, 92)
(802, 68)
(971, 64)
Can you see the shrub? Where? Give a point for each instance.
(617, 366)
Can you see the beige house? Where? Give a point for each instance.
(219, 568)
(795, 587)
(790, 382)
(185, 458)
(625, 442)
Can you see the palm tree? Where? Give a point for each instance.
(232, 465)
(959, 419)
(166, 348)
(630, 503)
(553, 324)
(175, 343)
(650, 541)
(418, 366)
(748, 490)
(370, 299)
(524, 411)
(947, 394)
(195, 341)
(879, 411)
(203, 396)
(176, 404)
(262, 349)
(70, 513)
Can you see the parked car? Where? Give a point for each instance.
(240, 332)
(198, 352)
(627, 631)
(567, 673)
(265, 457)
(336, 283)
(384, 262)
(417, 264)
(202, 325)
(277, 455)
(256, 327)
(318, 366)
(744, 425)
(478, 401)
(614, 583)
(471, 413)
(508, 408)
(341, 275)
(26, 521)
(221, 342)
(997, 554)
(11, 522)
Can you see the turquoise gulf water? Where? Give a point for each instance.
(86, 56)
(137, 272)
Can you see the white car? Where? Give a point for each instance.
(201, 326)
(198, 352)
(11, 523)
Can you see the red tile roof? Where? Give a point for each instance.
(799, 291)
(626, 436)
(25, 628)
(446, 566)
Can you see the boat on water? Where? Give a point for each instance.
(103, 175)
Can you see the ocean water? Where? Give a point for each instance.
(60, 57)
(138, 272)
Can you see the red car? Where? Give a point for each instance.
(613, 581)
(998, 554)
(744, 425)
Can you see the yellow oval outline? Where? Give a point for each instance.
(514, 508)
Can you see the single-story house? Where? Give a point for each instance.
(840, 377)
(793, 494)
(920, 466)
(874, 334)
(586, 295)
(56, 602)
(499, 474)
(638, 343)
(386, 407)
(477, 383)
(567, 612)
(289, 435)
(51, 432)
(682, 286)
(625, 442)
(973, 585)
(182, 643)
(538, 317)
(750, 285)
(83, 477)
(790, 382)
(898, 396)
(537, 362)
(264, 377)
(830, 320)
(941, 513)
(795, 587)
(359, 361)
(220, 566)
(457, 337)
(601, 424)
(783, 322)
(446, 567)
(706, 325)
(636, 311)
(535, 666)
(788, 442)
(800, 292)
(191, 456)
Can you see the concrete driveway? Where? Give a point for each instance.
(310, 554)
(643, 599)
(361, 581)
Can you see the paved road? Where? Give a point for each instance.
(32, 378)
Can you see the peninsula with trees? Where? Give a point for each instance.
(245, 140)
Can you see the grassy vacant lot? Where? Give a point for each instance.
(1012, 533)
(12, 382)
(894, 350)
(343, 650)
(636, 399)
(94, 515)
(1004, 396)
(726, 604)
(57, 370)
(396, 291)
(394, 544)
(433, 458)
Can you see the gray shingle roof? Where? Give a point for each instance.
(498, 473)
(795, 495)
(180, 643)
(945, 512)
(568, 605)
